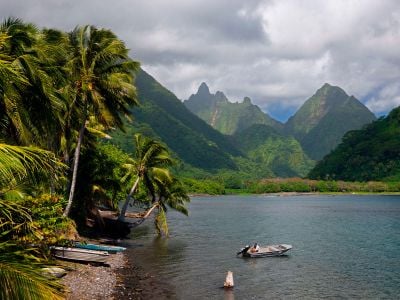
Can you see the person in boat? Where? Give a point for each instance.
(255, 248)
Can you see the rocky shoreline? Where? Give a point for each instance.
(119, 279)
(85, 281)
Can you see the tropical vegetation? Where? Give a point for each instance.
(68, 146)
(60, 95)
(372, 153)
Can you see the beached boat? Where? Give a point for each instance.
(265, 251)
(107, 248)
(78, 254)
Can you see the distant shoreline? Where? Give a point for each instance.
(288, 194)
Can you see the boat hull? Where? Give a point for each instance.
(82, 255)
(269, 251)
(109, 249)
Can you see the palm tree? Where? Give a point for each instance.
(20, 276)
(150, 160)
(171, 193)
(20, 271)
(13, 38)
(30, 74)
(102, 84)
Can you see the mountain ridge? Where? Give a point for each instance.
(324, 118)
(225, 116)
(163, 116)
(370, 153)
(318, 124)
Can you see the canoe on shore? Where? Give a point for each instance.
(108, 248)
(82, 255)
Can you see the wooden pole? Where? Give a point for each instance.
(229, 280)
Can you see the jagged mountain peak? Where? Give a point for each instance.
(220, 97)
(329, 95)
(203, 89)
(247, 100)
(225, 116)
(322, 120)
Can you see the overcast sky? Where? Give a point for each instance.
(276, 52)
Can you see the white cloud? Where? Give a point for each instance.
(387, 98)
(276, 52)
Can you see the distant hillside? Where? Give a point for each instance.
(324, 118)
(270, 149)
(163, 115)
(225, 116)
(372, 153)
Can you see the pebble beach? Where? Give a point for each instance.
(121, 278)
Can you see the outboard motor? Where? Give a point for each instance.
(243, 250)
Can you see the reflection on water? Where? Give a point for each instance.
(229, 294)
(334, 255)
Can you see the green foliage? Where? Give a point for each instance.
(203, 186)
(278, 185)
(160, 222)
(20, 274)
(49, 226)
(195, 142)
(372, 153)
(271, 150)
(21, 277)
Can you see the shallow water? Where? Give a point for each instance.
(343, 247)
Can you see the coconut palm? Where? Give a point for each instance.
(171, 193)
(30, 107)
(20, 271)
(20, 276)
(151, 160)
(102, 84)
(12, 79)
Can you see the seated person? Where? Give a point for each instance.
(255, 248)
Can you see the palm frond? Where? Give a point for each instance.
(21, 277)
(161, 222)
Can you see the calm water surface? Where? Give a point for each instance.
(344, 247)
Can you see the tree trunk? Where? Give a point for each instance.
(147, 214)
(75, 170)
(121, 216)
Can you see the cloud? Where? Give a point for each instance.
(276, 52)
(385, 99)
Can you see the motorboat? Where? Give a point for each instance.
(78, 254)
(265, 251)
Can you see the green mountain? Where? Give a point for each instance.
(372, 153)
(266, 146)
(162, 115)
(225, 116)
(324, 118)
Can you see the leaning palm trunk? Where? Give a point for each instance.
(75, 170)
(146, 215)
(121, 216)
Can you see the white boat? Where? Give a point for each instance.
(265, 251)
(78, 254)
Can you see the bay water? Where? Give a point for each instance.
(344, 247)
